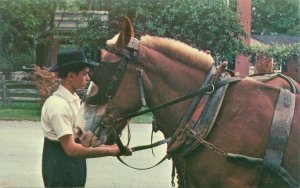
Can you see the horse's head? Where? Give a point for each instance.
(115, 90)
(160, 69)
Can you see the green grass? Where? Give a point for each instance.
(20, 111)
(146, 118)
(31, 112)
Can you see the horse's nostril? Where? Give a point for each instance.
(78, 131)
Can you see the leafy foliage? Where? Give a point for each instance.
(281, 53)
(24, 24)
(93, 36)
(276, 16)
(204, 24)
(5, 67)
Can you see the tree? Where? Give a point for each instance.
(25, 24)
(29, 24)
(276, 16)
(204, 24)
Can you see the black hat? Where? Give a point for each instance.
(72, 57)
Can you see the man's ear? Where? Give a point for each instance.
(70, 76)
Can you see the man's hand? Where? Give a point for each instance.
(128, 151)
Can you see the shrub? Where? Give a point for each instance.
(281, 53)
(46, 82)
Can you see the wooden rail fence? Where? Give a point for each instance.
(22, 91)
(17, 91)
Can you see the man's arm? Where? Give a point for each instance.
(73, 149)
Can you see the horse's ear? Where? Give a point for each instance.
(126, 33)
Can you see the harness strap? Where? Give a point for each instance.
(278, 136)
(205, 123)
(205, 98)
(266, 77)
(202, 119)
(162, 160)
(116, 78)
(138, 148)
(139, 73)
(173, 174)
(143, 147)
(191, 108)
(291, 82)
(134, 44)
(207, 88)
(196, 100)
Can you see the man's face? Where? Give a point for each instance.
(81, 79)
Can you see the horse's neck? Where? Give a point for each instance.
(165, 80)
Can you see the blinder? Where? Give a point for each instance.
(115, 59)
(117, 63)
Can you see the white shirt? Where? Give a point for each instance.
(59, 113)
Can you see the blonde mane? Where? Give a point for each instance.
(179, 51)
(176, 50)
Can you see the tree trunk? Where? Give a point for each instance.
(46, 53)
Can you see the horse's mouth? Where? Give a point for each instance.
(87, 138)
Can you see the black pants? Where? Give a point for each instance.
(60, 170)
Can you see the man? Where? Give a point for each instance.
(64, 163)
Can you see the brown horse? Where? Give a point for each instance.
(293, 68)
(163, 69)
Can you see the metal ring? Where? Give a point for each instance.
(109, 121)
(213, 89)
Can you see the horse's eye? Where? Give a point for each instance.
(91, 105)
(98, 99)
(92, 100)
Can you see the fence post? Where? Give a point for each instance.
(4, 92)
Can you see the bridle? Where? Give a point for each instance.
(129, 54)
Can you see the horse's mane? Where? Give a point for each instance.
(179, 51)
(176, 50)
